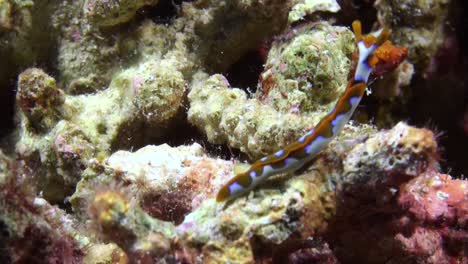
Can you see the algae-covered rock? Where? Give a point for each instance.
(110, 13)
(403, 149)
(78, 127)
(4, 167)
(33, 229)
(57, 159)
(130, 227)
(395, 173)
(89, 55)
(308, 69)
(159, 89)
(39, 99)
(269, 217)
(308, 7)
(285, 210)
(105, 254)
(226, 115)
(86, 64)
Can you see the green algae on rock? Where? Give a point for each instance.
(307, 69)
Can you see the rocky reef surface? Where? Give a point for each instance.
(120, 108)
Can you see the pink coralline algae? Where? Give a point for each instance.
(438, 197)
(439, 205)
(403, 219)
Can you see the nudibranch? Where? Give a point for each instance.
(295, 155)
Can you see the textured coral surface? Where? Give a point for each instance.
(129, 116)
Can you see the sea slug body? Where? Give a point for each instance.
(295, 155)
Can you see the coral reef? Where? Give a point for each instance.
(39, 100)
(120, 105)
(388, 167)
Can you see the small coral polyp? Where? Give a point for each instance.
(109, 207)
